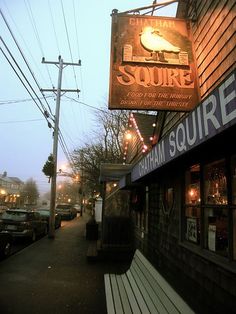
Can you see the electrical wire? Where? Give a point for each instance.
(8, 102)
(77, 42)
(26, 45)
(43, 111)
(27, 64)
(29, 88)
(54, 28)
(20, 121)
(83, 103)
(32, 19)
(68, 41)
(66, 151)
(23, 83)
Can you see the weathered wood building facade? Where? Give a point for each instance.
(186, 221)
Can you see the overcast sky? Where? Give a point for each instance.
(74, 29)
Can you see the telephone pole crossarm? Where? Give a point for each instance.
(64, 63)
(62, 90)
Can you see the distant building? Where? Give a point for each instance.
(10, 190)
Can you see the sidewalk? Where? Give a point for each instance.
(53, 276)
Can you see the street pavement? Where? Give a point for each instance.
(53, 276)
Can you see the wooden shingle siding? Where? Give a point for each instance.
(214, 41)
(172, 118)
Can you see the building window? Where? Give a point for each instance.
(192, 204)
(215, 183)
(233, 180)
(216, 230)
(209, 216)
(215, 212)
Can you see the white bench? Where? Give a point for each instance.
(142, 290)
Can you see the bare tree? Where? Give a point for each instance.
(105, 148)
(112, 124)
(30, 192)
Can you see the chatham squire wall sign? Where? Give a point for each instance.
(214, 115)
(152, 64)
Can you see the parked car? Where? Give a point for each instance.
(6, 240)
(45, 214)
(67, 211)
(3, 208)
(23, 223)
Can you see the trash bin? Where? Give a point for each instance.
(91, 230)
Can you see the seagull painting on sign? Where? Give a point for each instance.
(153, 41)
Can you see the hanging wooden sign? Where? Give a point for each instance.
(152, 64)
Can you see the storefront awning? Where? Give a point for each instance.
(113, 172)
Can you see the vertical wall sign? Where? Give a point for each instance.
(152, 64)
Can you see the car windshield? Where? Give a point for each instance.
(13, 215)
(63, 207)
(43, 212)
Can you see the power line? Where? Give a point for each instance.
(20, 121)
(77, 42)
(22, 82)
(32, 20)
(8, 102)
(43, 111)
(66, 151)
(27, 64)
(23, 39)
(87, 105)
(54, 29)
(68, 40)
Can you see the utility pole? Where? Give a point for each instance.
(61, 65)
